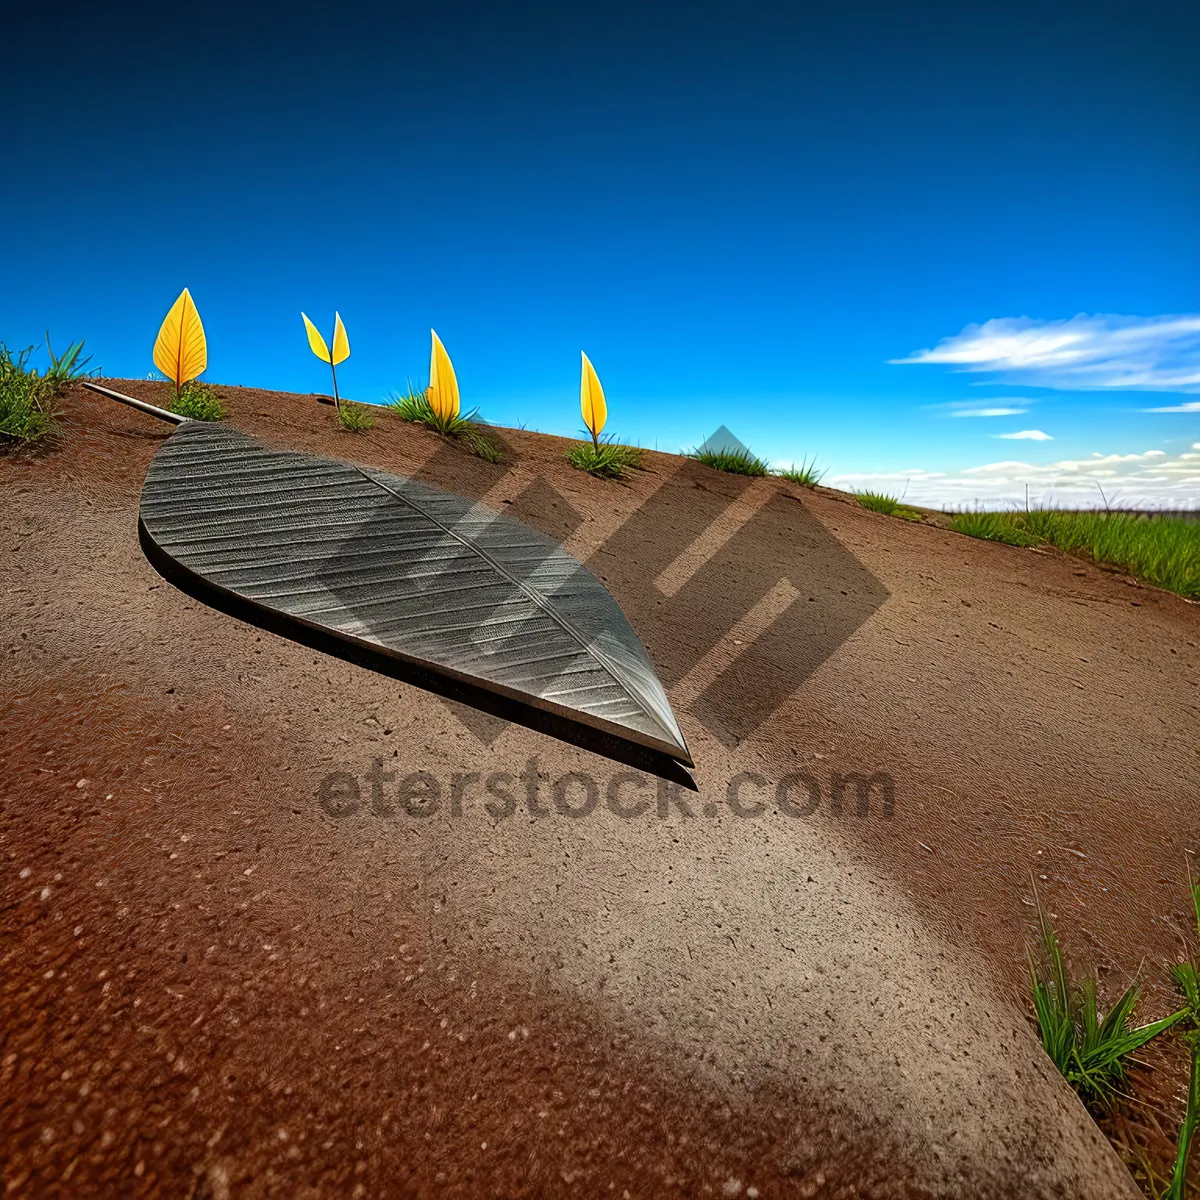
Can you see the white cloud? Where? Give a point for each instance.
(1029, 435)
(1187, 406)
(1084, 352)
(1148, 479)
(989, 412)
(996, 406)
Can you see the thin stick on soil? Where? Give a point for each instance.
(141, 405)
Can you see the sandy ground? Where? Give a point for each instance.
(216, 982)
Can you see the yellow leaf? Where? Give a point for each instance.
(443, 384)
(316, 341)
(341, 343)
(591, 399)
(180, 351)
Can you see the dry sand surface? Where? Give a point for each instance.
(212, 986)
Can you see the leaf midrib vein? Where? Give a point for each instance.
(538, 599)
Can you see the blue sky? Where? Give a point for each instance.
(746, 214)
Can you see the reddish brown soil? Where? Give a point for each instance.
(210, 986)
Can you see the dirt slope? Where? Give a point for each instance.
(214, 982)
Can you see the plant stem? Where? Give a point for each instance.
(337, 404)
(1191, 1119)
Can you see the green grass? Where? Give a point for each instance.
(806, 474)
(1186, 976)
(355, 417)
(1091, 1051)
(27, 396)
(736, 462)
(993, 527)
(26, 399)
(66, 367)
(1163, 551)
(415, 407)
(609, 460)
(199, 402)
(888, 505)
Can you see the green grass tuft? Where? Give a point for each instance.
(415, 407)
(466, 430)
(355, 417)
(480, 444)
(993, 527)
(199, 402)
(1186, 976)
(27, 409)
(1163, 551)
(888, 505)
(65, 368)
(609, 460)
(806, 474)
(736, 462)
(1091, 1052)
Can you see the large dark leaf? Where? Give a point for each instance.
(403, 577)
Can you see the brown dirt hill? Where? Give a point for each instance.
(210, 985)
